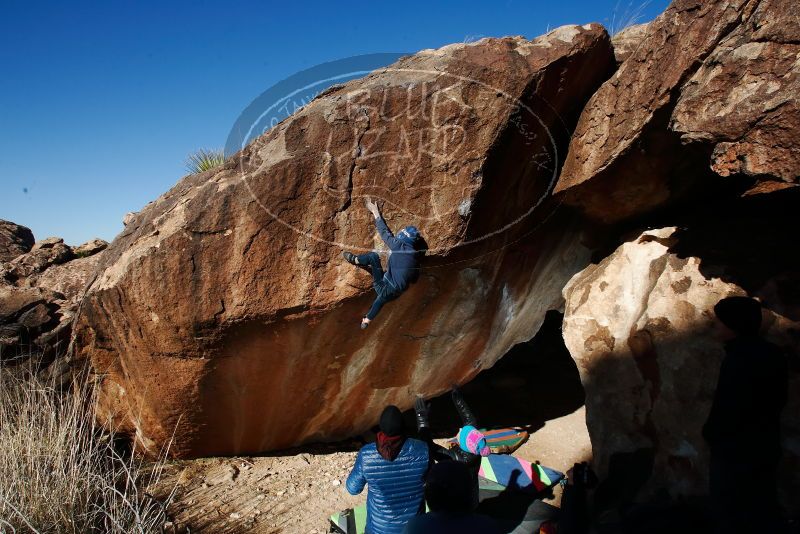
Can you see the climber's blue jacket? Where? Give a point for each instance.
(396, 488)
(403, 264)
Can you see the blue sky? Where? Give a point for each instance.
(100, 102)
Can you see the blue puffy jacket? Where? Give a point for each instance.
(396, 488)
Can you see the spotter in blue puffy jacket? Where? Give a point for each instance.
(394, 468)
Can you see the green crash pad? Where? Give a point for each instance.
(350, 521)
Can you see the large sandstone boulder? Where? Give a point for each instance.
(14, 240)
(699, 118)
(710, 91)
(641, 327)
(223, 317)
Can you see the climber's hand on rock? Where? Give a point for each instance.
(372, 207)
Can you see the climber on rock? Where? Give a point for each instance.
(402, 265)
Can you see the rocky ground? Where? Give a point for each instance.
(294, 492)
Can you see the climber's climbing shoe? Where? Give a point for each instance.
(466, 414)
(364, 323)
(350, 257)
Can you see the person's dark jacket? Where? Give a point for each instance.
(403, 263)
(448, 523)
(396, 487)
(744, 421)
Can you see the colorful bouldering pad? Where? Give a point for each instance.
(502, 440)
(516, 473)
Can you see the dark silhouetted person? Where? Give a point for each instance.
(471, 442)
(743, 427)
(402, 267)
(575, 517)
(449, 497)
(394, 467)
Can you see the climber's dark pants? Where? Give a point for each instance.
(473, 461)
(372, 262)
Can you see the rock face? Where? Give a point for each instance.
(223, 314)
(223, 318)
(14, 240)
(627, 41)
(25, 315)
(90, 248)
(711, 90)
(744, 101)
(43, 254)
(640, 325)
(68, 279)
(39, 293)
(699, 129)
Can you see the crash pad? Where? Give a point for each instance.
(516, 473)
(502, 440)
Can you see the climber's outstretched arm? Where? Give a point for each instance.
(383, 229)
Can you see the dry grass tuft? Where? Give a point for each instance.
(59, 473)
(631, 16)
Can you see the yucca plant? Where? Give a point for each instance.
(204, 159)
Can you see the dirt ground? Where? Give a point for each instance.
(536, 387)
(295, 492)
